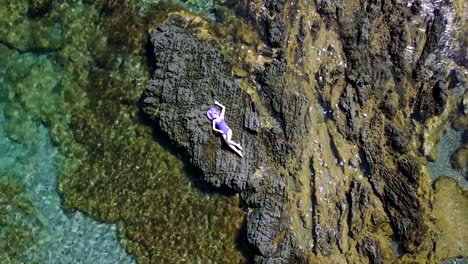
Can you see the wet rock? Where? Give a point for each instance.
(276, 31)
(266, 227)
(459, 159)
(327, 238)
(367, 71)
(301, 35)
(263, 231)
(399, 140)
(416, 7)
(379, 66)
(321, 77)
(388, 107)
(397, 189)
(329, 10)
(363, 33)
(400, 197)
(286, 255)
(290, 109)
(440, 95)
(370, 91)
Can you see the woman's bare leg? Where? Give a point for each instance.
(235, 150)
(234, 146)
(230, 141)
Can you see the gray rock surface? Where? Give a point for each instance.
(366, 93)
(368, 73)
(178, 97)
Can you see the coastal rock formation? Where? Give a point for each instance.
(333, 167)
(179, 96)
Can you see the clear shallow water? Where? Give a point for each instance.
(63, 123)
(56, 236)
(456, 261)
(448, 144)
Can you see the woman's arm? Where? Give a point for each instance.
(223, 108)
(215, 129)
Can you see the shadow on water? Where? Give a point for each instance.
(150, 59)
(243, 245)
(397, 245)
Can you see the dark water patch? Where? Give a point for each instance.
(150, 58)
(243, 245)
(397, 245)
(459, 260)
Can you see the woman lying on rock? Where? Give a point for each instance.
(219, 122)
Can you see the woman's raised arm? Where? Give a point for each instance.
(223, 108)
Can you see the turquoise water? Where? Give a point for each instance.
(202, 7)
(456, 261)
(59, 75)
(448, 144)
(31, 158)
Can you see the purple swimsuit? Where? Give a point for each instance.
(222, 126)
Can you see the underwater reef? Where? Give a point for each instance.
(82, 178)
(340, 107)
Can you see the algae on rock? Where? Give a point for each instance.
(111, 169)
(345, 168)
(15, 232)
(450, 212)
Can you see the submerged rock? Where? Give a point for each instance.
(450, 202)
(39, 7)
